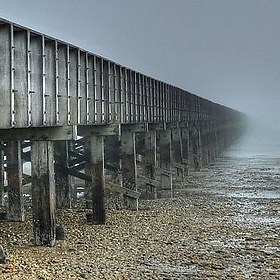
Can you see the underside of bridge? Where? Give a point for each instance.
(78, 117)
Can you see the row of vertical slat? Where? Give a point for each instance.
(45, 82)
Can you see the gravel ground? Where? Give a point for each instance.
(200, 236)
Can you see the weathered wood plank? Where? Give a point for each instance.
(122, 190)
(50, 83)
(36, 80)
(73, 86)
(21, 80)
(5, 75)
(37, 133)
(148, 181)
(62, 90)
(109, 185)
(83, 87)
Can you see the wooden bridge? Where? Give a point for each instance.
(74, 114)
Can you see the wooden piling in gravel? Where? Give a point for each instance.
(62, 179)
(15, 208)
(43, 192)
(98, 180)
(150, 161)
(128, 167)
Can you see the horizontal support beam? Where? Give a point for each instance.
(136, 127)
(102, 130)
(148, 181)
(172, 125)
(122, 190)
(109, 185)
(39, 133)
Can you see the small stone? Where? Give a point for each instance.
(258, 260)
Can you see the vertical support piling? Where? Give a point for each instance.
(165, 149)
(186, 153)
(98, 180)
(43, 192)
(15, 211)
(88, 172)
(128, 167)
(196, 145)
(176, 146)
(150, 161)
(62, 179)
(165, 163)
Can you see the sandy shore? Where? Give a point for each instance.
(200, 236)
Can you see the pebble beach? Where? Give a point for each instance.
(199, 235)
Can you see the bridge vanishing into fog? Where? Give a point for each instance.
(78, 116)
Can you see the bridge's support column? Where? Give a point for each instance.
(165, 149)
(88, 172)
(176, 146)
(212, 151)
(196, 145)
(2, 174)
(128, 167)
(165, 158)
(63, 181)
(43, 192)
(205, 145)
(215, 141)
(177, 153)
(95, 167)
(150, 161)
(219, 139)
(15, 210)
(186, 149)
(71, 179)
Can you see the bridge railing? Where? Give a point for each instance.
(47, 82)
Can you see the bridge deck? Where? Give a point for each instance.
(45, 82)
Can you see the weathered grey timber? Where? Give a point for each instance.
(63, 180)
(52, 92)
(15, 211)
(96, 153)
(150, 164)
(43, 192)
(128, 166)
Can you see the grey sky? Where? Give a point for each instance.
(225, 50)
